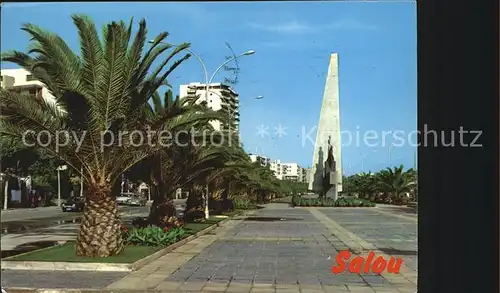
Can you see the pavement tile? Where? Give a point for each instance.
(360, 289)
(262, 290)
(165, 286)
(268, 256)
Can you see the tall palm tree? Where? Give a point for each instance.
(98, 94)
(173, 167)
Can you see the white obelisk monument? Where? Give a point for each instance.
(328, 129)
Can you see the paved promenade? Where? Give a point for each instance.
(261, 254)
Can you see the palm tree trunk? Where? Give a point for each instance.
(162, 207)
(100, 233)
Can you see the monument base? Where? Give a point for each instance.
(332, 193)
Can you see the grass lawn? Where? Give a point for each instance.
(66, 253)
(193, 228)
(131, 254)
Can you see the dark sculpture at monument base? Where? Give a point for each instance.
(329, 175)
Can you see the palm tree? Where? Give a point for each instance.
(362, 184)
(98, 93)
(179, 164)
(396, 181)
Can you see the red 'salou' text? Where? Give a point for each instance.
(361, 265)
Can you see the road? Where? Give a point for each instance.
(51, 224)
(52, 213)
(20, 221)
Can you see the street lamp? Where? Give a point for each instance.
(390, 157)
(81, 182)
(208, 81)
(59, 169)
(4, 178)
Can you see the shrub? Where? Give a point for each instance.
(220, 206)
(243, 204)
(170, 222)
(296, 199)
(353, 202)
(328, 202)
(153, 236)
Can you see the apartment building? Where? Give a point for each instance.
(220, 96)
(22, 81)
(291, 171)
(264, 161)
(283, 171)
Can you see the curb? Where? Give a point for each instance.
(7, 264)
(13, 211)
(70, 290)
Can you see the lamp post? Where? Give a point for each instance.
(59, 169)
(123, 184)
(81, 182)
(5, 179)
(390, 157)
(208, 81)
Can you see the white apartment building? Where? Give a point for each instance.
(283, 171)
(220, 96)
(275, 166)
(264, 161)
(288, 171)
(21, 81)
(291, 171)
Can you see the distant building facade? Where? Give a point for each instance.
(220, 96)
(264, 161)
(23, 82)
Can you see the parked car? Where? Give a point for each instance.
(124, 198)
(137, 201)
(73, 205)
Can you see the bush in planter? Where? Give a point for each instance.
(153, 236)
(353, 202)
(170, 222)
(220, 206)
(328, 202)
(243, 204)
(296, 199)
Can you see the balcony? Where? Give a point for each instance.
(32, 90)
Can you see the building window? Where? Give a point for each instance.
(1, 78)
(29, 77)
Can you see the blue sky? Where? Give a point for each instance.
(376, 43)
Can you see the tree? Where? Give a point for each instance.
(175, 166)
(396, 181)
(98, 94)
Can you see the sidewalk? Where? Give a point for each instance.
(284, 250)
